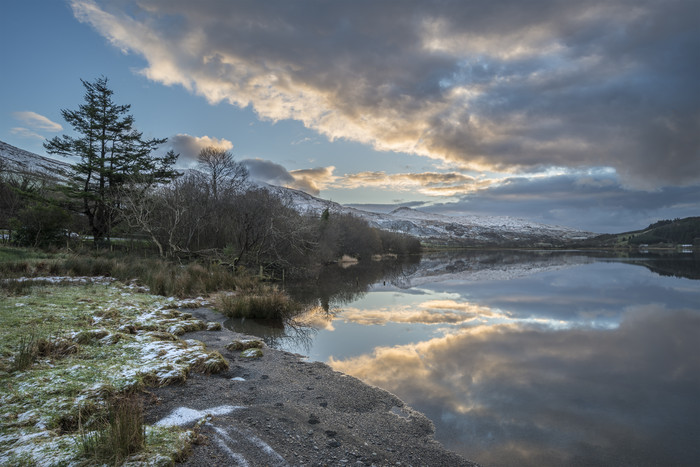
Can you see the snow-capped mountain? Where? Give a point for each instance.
(18, 161)
(466, 230)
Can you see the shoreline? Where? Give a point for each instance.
(281, 410)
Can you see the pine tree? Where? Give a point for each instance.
(112, 153)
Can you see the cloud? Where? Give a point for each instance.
(427, 183)
(189, 146)
(26, 133)
(479, 84)
(593, 200)
(310, 181)
(37, 121)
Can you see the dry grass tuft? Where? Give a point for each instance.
(214, 363)
(26, 353)
(119, 434)
(245, 344)
(271, 303)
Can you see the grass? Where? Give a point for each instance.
(160, 276)
(82, 346)
(119, 434)
(26, 353)
(82, 351)
(268, 303)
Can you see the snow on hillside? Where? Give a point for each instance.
(19, 161)
(466, 230)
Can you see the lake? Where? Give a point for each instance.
(520, 358)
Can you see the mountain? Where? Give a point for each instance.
(21, 162)
(436, 229)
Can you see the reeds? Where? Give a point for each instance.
(161, 276)
(118, 435)
(27, 351)
(268, 302)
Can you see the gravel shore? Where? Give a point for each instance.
(281, 410)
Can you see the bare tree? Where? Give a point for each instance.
(225, 173)
(171, 215)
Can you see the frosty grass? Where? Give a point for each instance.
(125, 341)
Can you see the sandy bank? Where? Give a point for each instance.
(281, 410)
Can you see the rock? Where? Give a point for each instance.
(313, 419)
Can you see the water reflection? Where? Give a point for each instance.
(276, 333)
(522, 358)
(528, 395)
(336, 286)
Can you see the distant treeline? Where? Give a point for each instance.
(677, 231)
(119, 189)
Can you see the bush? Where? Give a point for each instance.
(40, 225)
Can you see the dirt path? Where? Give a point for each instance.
(281, 410)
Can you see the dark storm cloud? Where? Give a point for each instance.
(268, 171)
(598, 203)
(308, 180)
(482, 84)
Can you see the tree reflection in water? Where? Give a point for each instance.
(321, 299)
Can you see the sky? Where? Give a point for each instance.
(584, 114)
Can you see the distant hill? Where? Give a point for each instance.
(666, 232)
(18, 161)
(677, 231)
(440, 230)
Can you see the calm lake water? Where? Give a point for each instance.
(521, 358)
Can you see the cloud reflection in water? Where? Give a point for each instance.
(521, 393)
